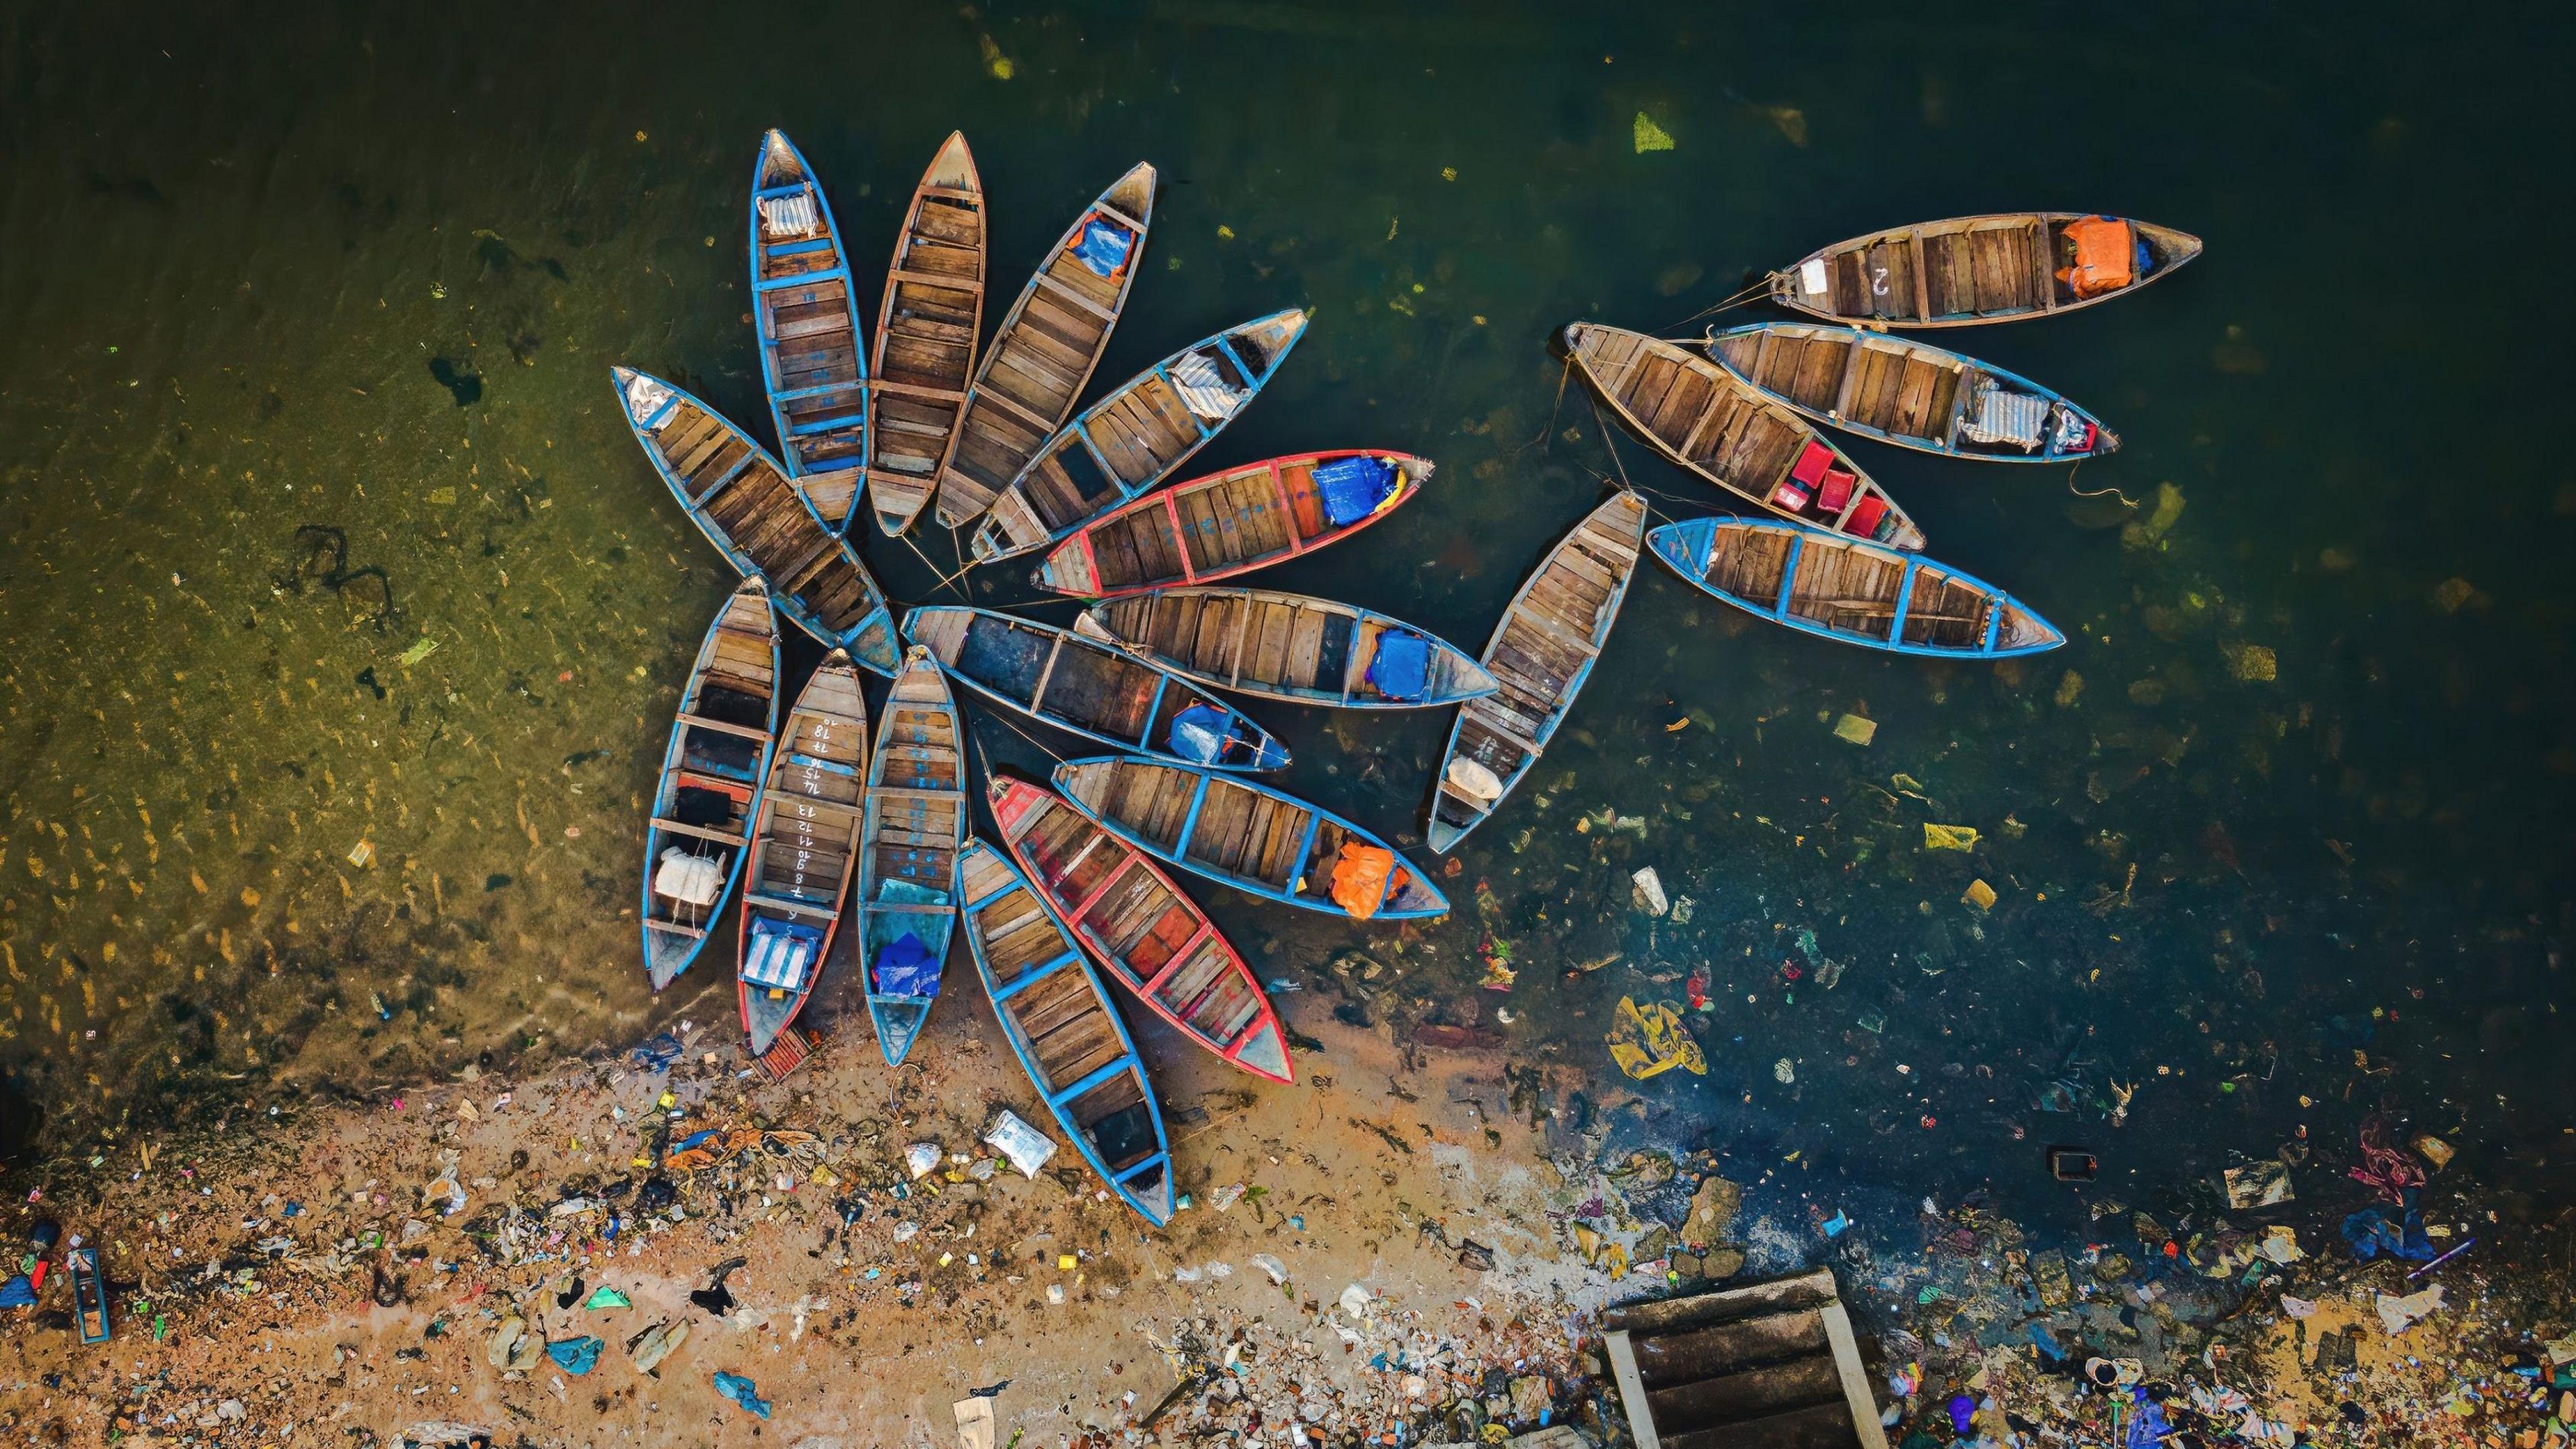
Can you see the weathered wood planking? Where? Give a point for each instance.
(1899, 390)
(757, 517)
(713, 772)
(1839, 588)
(1280, 646)
(916, 822)
(1217, 527)
(806, 843)
(807, 323)
(1540, 655)
(1043, 353)
(926, 331)
(1961, 271)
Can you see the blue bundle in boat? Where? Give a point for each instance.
(1200, 732)
(1353, 488)
(906, 968)
(1401, 668)
(1104, 246)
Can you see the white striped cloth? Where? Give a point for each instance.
(1204, 388)
(776, 961)
(784, 216)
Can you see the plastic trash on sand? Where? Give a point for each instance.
(974, 1422)
(2399, 1314)
(921, 1157)
(1027, 1148)
(1277, 1270)
(1647, 1041)
(576, 1356)
(742, 1391)
(1357, 1301)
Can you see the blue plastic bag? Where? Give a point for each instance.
(577, 1356)
(18, 1292)
(1200, 733)
(905, 967)
(742, 1391)
(2375, 1230)
(1401, 669)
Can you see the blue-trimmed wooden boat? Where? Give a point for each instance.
(1061, 1026)
(1244, 834)
(1137, 436)
(803, 850)
(713, 773)
(1541, 654)
(1909, 393)
(1291, 647)
(926, 331)
(1044, 352)
(1224, 525)
(758, 518)
(1966, 270)
(812, 355)
(1092, 688)
(916, 821)
(1144, 930)
(1840, 588)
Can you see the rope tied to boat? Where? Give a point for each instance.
(2114, 490)
(1744, 298)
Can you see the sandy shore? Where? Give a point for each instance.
(308, 1282)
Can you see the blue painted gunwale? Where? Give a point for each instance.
(1684, 548)
(1272, 755)
(664, 786)
(1073, 957)
(986, 545)
(2048, 454)
(883, 1008)
(883, 660)
(1317, 900)
(849, 301)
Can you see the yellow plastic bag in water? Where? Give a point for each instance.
(1647, 1041)
(1949, 837)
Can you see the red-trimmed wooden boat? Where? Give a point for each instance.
(803, 850)
(1053, 1007)
(1727, 435)
(926, 331)
(1154, 940)
(1046, 348)
(1971, 269)
(811, 355)
(1231, 523)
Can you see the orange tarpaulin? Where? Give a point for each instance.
(2104, 256)
(1360, 876)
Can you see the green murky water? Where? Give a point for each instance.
(341, 619)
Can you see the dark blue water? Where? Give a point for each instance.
(304, 328)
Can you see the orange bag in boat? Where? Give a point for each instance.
(1360, 874)
(2104, 252)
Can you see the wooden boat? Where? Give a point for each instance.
(1244, 834)
(1972, 269)
(1289, 646)
(916, 822)
(1828, 585)
(1541, 654)
(1046, 347)
(1909, 393)
(1057, 1015)
(1132, 439)
(803, 850)
(759, 519)
(1757, 451)
(1231, 523)
(926, 331)
(713, 772)
(1091, 688)
(89, 1295)
(811, 354)
(1154, 940)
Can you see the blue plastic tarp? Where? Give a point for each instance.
(1104, 246)
(1353, 488)
(2375, 1230)
(1199, 733)
(905, 967)
(2150, 1429)
(1401, 668)
(577, 1356)
(18, 1292)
